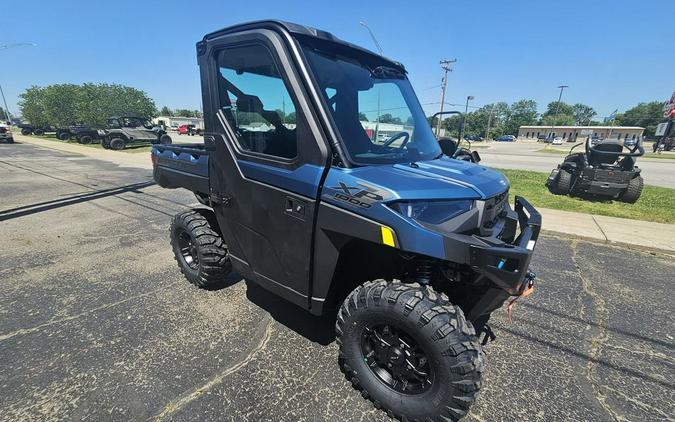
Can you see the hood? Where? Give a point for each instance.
(443, 178)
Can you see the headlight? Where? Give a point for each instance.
(433, 212)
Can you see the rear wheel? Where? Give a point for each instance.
(39, 132)
(64, 136)
(26, 132)
(117, 144)
(199, 249)
(409, 350)
(165, 139)
(85, 139)
(564, 184)
(633, 191)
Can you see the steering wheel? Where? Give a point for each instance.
(395, 136)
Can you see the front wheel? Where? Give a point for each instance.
(39, 132)
(63, 136)
(564, 184)
(165, 139)
(26, 132)
(199, 249)
(84, 139)
(409, 350)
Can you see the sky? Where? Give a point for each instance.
(612, 54)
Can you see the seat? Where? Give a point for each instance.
(448, 146)
(603, 160)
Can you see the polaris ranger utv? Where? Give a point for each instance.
(411, 248)
(603, 170)
(128, 129)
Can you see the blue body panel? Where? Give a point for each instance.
(303, 180)
(444, 178)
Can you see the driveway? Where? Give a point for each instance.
(97, 323)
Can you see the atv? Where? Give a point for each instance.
(29, 129)
(603, 170)
(128, 129)
(409, 249)
(81, 133)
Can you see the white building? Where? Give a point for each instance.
(581, 132)
(172, 122)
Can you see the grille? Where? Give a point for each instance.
(494, 206)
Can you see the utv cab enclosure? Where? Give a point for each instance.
(124, 130)
(412, 249)
(605, 169)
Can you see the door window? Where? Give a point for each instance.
(256, 102)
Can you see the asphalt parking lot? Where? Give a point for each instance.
(97, 323)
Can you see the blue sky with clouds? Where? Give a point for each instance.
(612, 54)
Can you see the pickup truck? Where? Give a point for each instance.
(409, 249)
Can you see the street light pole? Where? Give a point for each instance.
(466, 110)
(446, 65)
(557, 107)
(9, 116)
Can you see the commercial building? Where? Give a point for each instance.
(172, 122)
(583, 132)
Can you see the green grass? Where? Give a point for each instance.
(664, 156)
(656, 203)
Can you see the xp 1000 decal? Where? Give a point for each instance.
(360, 195)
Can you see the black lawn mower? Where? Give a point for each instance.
(603, 170)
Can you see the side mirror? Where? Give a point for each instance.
(475, 156)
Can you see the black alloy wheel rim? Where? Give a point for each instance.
(396, 359)
(188, 250)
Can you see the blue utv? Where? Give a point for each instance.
(322, 182)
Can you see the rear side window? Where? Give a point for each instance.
(256, 102)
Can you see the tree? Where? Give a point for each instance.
(291, 118)
(558, 114)
(388, 118)
(646, 115)
(92, 104)
(521, 113)
(583, 114)
(184, 112)
(166, 111)
(363, 117)
(3, 116)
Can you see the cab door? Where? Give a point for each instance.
(267, 160)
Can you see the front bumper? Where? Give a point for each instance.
(503, 258)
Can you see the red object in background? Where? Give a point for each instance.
(183, 129)
(370, 133)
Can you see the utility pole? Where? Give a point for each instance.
(4, 47)
(446, 65)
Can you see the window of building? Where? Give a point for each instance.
(256, 102)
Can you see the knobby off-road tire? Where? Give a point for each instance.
(633, 191)
(25, 132)
(199, 248)
(116, 144)
(105, 143)
(39, 132)
(437, 327)
(64, 136)
(84, 140)
(564, 184)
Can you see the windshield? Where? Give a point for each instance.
(374, 108)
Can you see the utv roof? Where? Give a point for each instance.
(293, 29)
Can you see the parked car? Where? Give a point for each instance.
(188, 130)
(506, 138)
(629, 142)
(6, 134)
(474, 138)
(541, 138)
(558, 140)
